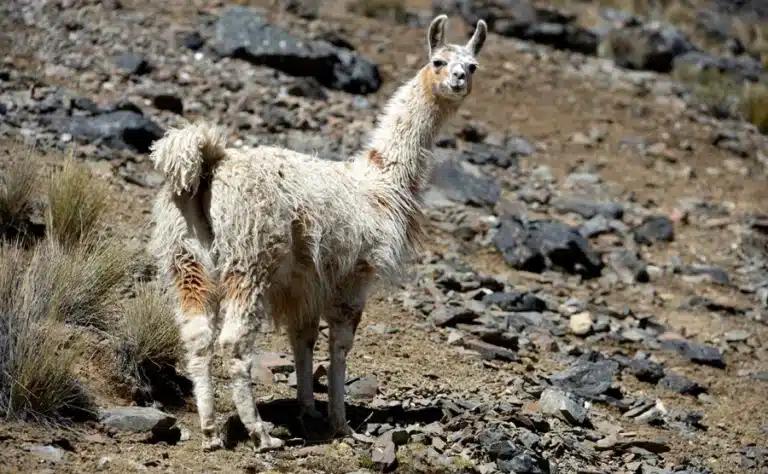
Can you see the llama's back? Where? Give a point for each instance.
(271, 205)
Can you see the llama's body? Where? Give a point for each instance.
(249, 234)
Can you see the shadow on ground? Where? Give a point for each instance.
(284, 415)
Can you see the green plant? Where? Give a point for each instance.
(393, 10)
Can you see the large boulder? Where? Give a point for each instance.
(650, 46)
(243, 32)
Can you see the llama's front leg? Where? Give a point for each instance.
(237, 338)
(194, 316)
(303, 338)
(342, 330)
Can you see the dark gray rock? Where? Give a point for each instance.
(629, 266)
(655, 229)
(485, 154)
(537, 245)
(588, 208)
(450, 316)
(645, 370)
(460, 185)
(681, 384)
(243, 33)
(193, 41)
(651, 46)
(169, 102)
(524, 463)
(586, 378)
(131, 63)
(515, 301)
(698, 353)
(116, 129)
(518, 146)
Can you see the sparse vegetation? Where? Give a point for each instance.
(37, 356)
(18, 185)
(69, 277)
(76, 202)
(755, 105)
(149, 344)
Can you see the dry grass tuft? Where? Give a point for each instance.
(18, 185)
(149, 348)
(148, 326)
(37, 356)
(755, 105)
(76, 203)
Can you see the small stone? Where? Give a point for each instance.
(48, 453)
(384, 455)
(737, 335)
(363, 388)
(131, 63)
(560, 404)
(581, 323)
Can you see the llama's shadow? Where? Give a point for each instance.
(284, 415)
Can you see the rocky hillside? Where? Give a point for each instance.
(593, 295)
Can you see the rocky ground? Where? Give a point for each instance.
(593, 296)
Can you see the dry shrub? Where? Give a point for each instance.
(148, 326)
(37, 357)
(18, 185)
(755, 105)
(76, 203)
(710, 87)
(149, 348)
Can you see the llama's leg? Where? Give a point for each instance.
(237, 338)
(195, 316)
(342, 328)
(303, 340)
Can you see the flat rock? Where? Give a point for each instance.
(698, 353)
(244, 33)
(137, 419)
(586, 379)
(116, 129)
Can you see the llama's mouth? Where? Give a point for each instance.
(456, 89)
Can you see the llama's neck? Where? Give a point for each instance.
(406, 132)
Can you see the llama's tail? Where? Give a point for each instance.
(185, 154)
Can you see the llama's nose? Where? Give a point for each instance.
(459, 74)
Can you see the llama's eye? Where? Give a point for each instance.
(472, 68)
(438, 63)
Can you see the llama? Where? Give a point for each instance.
(243, 235)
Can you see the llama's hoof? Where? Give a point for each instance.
(212, 444)
(267, 443)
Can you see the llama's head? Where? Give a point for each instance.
(451, 66)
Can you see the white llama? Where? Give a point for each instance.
(245, 235)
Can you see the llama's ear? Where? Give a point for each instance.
(476, 42)
(436, 33)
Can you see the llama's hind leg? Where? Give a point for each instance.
(303, 337)
(243, 312)
(342, 327)
(195, 316)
